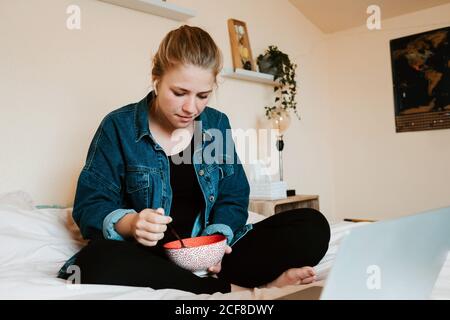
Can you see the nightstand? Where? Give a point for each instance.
(271, 207)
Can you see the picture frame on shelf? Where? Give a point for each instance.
(240, 45)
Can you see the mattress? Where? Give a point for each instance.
(35, 242)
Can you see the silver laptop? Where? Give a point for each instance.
(392, 259)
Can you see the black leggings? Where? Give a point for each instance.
(290, 239)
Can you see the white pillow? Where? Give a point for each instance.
(18, 198)
(32, 236)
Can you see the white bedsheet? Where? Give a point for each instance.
(34, 243)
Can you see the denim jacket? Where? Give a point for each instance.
(127, 171)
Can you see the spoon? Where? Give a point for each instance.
(172, 229)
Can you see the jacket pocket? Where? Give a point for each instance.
(137, 180)
(225, 170)
(220, 171)
(137, 188)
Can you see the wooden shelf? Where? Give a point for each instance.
(271, 207)
(156, 7)
(247, 75)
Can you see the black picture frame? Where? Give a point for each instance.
(421, 80)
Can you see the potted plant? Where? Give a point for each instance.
(277, 63)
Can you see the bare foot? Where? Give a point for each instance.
(293, 276)
(236, 288)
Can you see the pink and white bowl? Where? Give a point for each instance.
(200, 252)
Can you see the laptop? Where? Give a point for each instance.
(392, 259)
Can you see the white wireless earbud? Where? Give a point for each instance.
(154, 88)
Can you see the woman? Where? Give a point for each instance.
(133, 185)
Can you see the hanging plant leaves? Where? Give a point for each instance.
(278, 63)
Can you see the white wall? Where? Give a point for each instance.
(379, 173)
(56, 85)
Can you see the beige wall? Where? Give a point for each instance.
(379, 173)
(56, 85)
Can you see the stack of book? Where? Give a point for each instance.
(268, 190)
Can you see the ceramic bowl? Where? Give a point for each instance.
(200, 252)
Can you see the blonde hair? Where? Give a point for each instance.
(187, 45)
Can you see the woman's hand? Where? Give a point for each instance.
(147, 226)
(218, 267)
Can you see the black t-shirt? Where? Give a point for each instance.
(187, 197)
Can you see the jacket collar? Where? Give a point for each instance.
(141, 117)
(142, 125)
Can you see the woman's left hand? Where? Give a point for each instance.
(218, 267)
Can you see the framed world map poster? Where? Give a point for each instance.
(421, 79)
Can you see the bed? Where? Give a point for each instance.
(35, 241)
